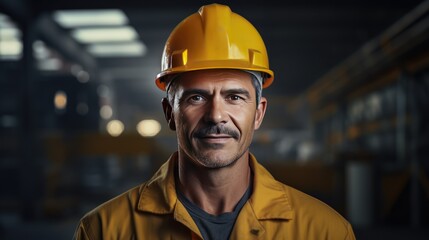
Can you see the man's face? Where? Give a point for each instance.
(215, 114)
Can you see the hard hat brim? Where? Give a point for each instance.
(162, 80)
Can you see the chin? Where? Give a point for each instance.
(216, 160)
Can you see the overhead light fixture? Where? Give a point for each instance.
(10, 49)
(128, 49)
(10, 39)
(86, 18)
(10, 33)
(111, 34)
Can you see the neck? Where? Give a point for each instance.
(216, 191)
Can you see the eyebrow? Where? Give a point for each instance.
(240, 91)
(195, 91)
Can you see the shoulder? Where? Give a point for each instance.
(304, 202)
(317, 215)
(117, 204)
(115, 212)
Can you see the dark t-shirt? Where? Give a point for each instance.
(214, 227)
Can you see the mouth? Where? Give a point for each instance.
(215, 138)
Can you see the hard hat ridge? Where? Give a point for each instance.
(215, 20)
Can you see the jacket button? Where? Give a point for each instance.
(254, 231)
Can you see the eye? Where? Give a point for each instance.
(235, 98)
(196, 98)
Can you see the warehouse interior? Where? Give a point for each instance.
(81, 118)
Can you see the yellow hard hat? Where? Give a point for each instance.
(214, 38)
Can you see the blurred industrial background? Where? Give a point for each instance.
(81, 119)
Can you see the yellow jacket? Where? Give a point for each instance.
(274, 211)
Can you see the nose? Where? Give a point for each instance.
(216, 111)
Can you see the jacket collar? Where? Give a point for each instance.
(158, 195)
(269, 200)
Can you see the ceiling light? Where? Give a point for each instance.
(94, 35)
(85, 18)
(9, 33)
(10, 42)
(118, 49)
(10, 48)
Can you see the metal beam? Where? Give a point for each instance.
(50, 32)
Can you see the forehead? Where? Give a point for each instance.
(215, 77)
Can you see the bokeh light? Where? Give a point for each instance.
(148, 128)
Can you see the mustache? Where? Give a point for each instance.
(216, 129)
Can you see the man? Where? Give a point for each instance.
(214, 67)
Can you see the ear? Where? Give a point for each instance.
(168, 113)
(260, 112)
